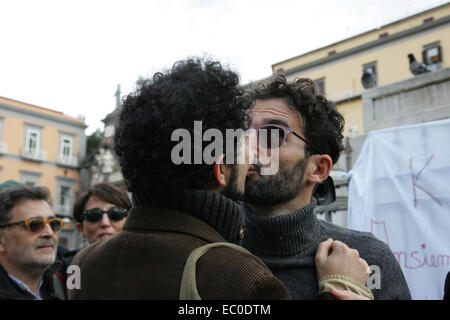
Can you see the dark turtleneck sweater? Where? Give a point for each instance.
(221, 213)
(147, 258)
(287, 244)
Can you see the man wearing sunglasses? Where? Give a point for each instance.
(179, 207)
(282, 228)
(28, 243)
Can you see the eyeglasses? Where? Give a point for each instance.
(96, 214)
(280, 132)
(38, 224)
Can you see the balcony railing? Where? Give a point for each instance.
(67, 161)
(3, 148)
(34, 154)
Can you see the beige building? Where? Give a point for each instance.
(337, 68)
(43, 147)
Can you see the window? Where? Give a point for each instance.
(66, 146)
(109, 131)
(332, 53)
(32, 144)
(320, 86)
(372, 66)
(66, 150)
(383, 35)
(30, 179)
(64, 196)
(32, 139)
(432, 56)
(430, 19)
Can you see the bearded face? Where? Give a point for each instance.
(286, 183)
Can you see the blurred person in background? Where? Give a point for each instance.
(100, 213)
(28, 243)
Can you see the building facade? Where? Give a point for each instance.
(337, 68)
(43, 147)
(103, 165)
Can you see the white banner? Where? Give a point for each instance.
(400, 191)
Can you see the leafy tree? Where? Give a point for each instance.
(93, 140)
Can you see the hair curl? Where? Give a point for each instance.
(322, 123)
(11, 197)
(102, 191)
(196, 89)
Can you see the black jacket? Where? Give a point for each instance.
(9, 290)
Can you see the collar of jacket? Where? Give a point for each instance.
(171, 209)
(162, 219)
(10, 290)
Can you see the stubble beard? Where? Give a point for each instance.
(36, 263)
(232, 190)
(274, 190)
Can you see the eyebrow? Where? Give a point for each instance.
(41, 217)
(276, 121)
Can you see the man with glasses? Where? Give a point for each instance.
(181, 207)
(28, 243)
(282, 228)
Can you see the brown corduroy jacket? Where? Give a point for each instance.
(146, 261)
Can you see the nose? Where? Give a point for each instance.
(105, 222)
(47, 231)
(262, 152)
(250, 147)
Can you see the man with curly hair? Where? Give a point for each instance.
(282, 228)
(181, 206)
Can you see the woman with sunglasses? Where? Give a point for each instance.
(101, 211)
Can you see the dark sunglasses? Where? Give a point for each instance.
(278, 131)
(96, 214)
(38, 224)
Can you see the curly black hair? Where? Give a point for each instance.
(9, 198)
(322, 123)
(195, 89)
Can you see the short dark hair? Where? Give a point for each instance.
(322, 123)
(196, 89)
(102, 191)
(11, 197)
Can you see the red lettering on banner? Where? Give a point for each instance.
(414, 260)
(411, 259)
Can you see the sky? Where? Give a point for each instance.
(69, 56)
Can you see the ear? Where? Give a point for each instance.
(321, 167)
(80, 229)
(219, 171)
